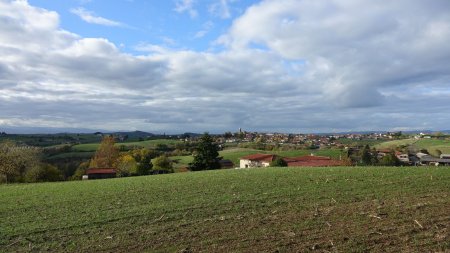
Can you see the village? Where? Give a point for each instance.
(282, 150)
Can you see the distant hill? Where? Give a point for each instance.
(134, 134)
(45, 130)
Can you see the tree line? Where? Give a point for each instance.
(136, 162)
(24, 164)
(21, 163)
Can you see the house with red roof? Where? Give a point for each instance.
(312, 161)
(256, 160)
(264, 160)
(101, 173)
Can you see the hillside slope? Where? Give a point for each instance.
(432, 145)
(286, 209)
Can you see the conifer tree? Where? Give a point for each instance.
(206, 156)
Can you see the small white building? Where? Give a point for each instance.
(403, 158)
(444, 156)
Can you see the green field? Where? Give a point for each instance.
(352, 142)
(145, 144)
(72, 155)
(357, 209)
(432, 145)
(235, 153)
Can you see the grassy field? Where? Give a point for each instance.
(432, 145)
(363, 142)
(145, 144)
(69, 155)
(344, 209)
(235, 153)
(395, 143)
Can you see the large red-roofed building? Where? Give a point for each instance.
(101, 173)
(264, 160)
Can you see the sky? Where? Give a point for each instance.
(175, 66)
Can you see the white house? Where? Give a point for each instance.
(256, 160)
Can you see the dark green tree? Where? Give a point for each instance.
(143, 157)
(144, 166)
(278, 162)
(206, 156)
(374, 157)
(366, 156)
(390, 160)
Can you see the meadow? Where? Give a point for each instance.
(432, 145)
(345, 209)
(89, 147)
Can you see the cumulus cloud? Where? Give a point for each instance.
(91, 18)
(288, 65)
(354, 49)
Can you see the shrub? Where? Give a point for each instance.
(43, 173)
(162, 164)
(278, 162)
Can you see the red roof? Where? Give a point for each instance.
(312, 161)
(307, 158)
(302, 161)
(101, 171)
(315, 163)
(385, 150)
(260, 157)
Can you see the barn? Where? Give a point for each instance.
(101, 173)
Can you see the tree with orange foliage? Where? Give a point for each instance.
(106, 155)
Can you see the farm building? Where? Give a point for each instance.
(264, 160)
(312, 161)
(100, 173)
(429, 160)
(256, 160)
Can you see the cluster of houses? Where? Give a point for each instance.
(264, 160)
(310, 140)
(423, 159)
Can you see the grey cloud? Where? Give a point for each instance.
(323, 66)
(369, 45)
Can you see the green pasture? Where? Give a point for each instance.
(352, 142)
(340, 209)
(144, 144)
(432, 145)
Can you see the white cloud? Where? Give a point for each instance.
(182, 6)
(367, 46)
(221, 8)
(206, 27)
(151, 48)
(91, 18)
(288, 66)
